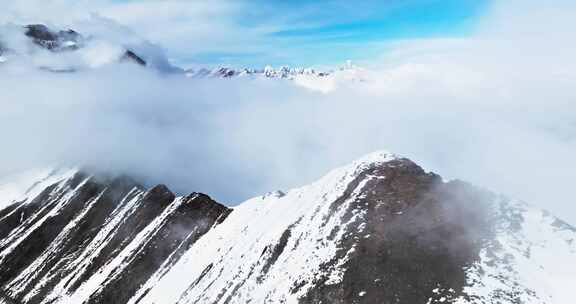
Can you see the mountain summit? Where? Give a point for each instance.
(380, 230)
(67, 50)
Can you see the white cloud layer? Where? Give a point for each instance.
(495, 109)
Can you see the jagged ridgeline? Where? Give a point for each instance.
(380, 230)
(66, 41)
(77, 227)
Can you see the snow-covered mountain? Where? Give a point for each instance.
(66, 50)
(69, 51)
(323, 81)
(284, 72)
(380, 230)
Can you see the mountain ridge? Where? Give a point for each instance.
(378, 230)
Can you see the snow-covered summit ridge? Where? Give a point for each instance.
(341, 174)
(372, 159)
(336, 240)
(284, 72)
(258, 224)
(316, 235)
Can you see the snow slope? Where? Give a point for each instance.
(26, 185)
(532, 259)
(237, 250)
(230, 264)
(82, 238)
(379, 230)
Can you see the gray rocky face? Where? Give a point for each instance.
(92, 221)
(401, 235)
(64, 40)
(418, 234)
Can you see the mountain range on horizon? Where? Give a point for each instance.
(58, 42)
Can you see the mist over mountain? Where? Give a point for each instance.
(126, 177)
(449, 102)
(379, 229)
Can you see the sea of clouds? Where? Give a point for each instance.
(496, 109)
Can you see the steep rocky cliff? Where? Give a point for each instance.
(380, 230)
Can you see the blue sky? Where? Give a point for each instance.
(259, 32)
(328, 32)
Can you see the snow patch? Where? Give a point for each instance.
(231, 259)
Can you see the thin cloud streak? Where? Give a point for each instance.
(254, 32)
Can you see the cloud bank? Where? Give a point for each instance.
(494, 109)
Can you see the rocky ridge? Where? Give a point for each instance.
(380, 230)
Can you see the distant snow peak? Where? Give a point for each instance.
(56, 41)
(283, 72)
(310, 78)
(66, 51)
(62, 50)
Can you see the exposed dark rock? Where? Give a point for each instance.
(193, 218)
(67, 40)
(420, 234)
(40, 32)
(275, 254)
(403, 236)
(108, 197)
(6, 298)
(39, 239)
(130, 56)
(41, 35)
(170, 238)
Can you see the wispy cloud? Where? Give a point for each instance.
(276, 32)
